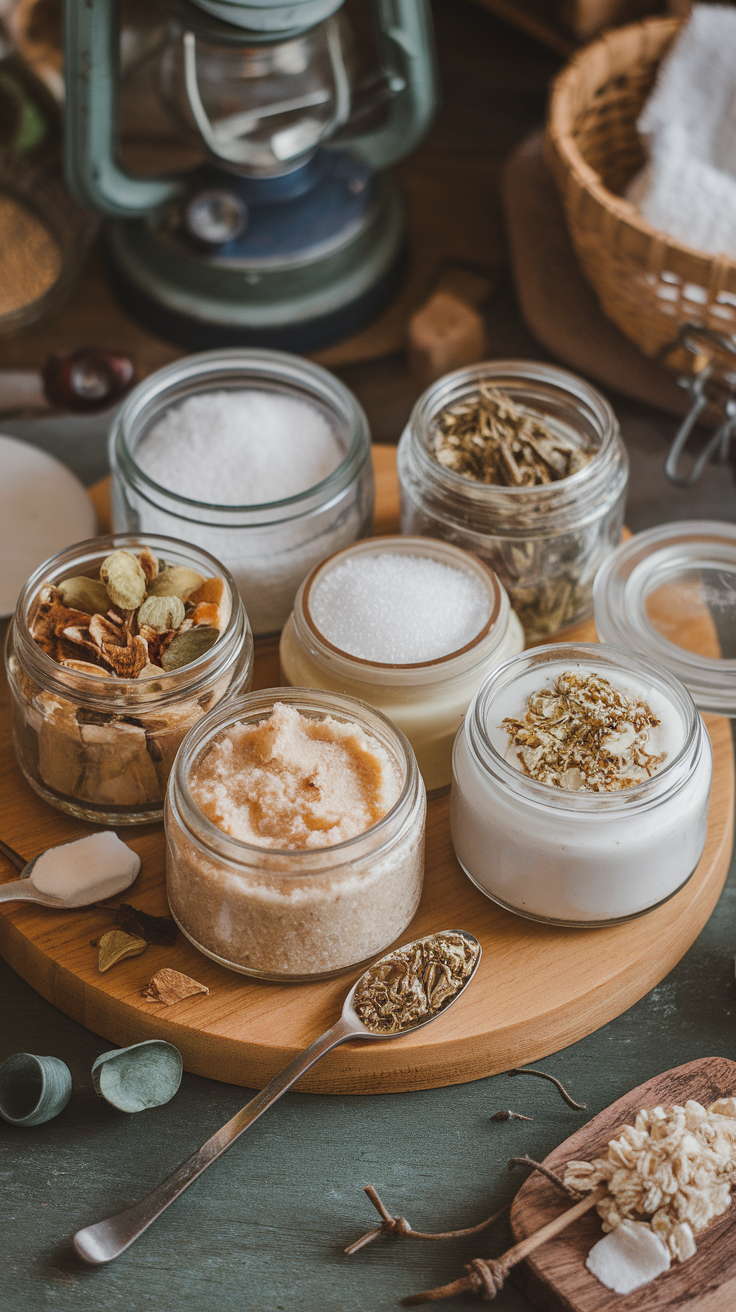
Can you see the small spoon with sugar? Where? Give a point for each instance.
(74, 874)
(413, 974)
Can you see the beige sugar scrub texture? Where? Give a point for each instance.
(291, 782)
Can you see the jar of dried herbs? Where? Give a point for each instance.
(118, 647)
(523, 464)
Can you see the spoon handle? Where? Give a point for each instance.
(18, 890)
(14, 857)
(109, 1238)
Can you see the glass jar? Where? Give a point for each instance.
(268, 548)
(670, 593)
(426, 700)
(544, 542)
(288, 914)
(102, 747)
(579, 858)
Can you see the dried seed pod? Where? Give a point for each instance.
(148, 563)
(161, 613)
(124, 579)
(85, 594)
(116, 945)
(175, 581)
(187, 647)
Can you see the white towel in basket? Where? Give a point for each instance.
(688, 187)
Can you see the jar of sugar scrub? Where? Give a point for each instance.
(582, 775)
(411, 625)
(118, 646)
(259, 457)
(670, 593)
(295, 834)
(523, 464)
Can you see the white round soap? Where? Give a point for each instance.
(43, 509)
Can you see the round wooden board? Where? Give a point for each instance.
(537, 988)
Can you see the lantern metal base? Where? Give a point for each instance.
(303, 303)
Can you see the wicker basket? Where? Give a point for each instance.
(650, 285)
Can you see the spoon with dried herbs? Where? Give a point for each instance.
(406, 989)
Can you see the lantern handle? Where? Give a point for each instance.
(94, 174)
(408, 58)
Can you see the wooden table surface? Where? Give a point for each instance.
(264, 1230)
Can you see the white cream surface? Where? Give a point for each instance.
(667, 737)
(88, 870)
(580, 857)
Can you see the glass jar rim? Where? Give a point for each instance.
(109, 688)
(637, 796)
(430, 548)
(656, 557)
(568, 384)
(260, 703)
(255, 369)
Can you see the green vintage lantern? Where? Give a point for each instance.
(290, 234)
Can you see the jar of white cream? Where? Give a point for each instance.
(295, 834)
(411, 625)
(589, 805)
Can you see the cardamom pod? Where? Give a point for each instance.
(124, 579)
(116, 945)
(161, 613)
(175, 581)
(187, 647)
(81, 593)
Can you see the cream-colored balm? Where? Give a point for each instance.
(88, 870)
(581, 784)
(296, 840)
(410, 625)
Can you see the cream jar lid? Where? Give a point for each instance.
(670, 593)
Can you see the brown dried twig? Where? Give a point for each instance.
(487, 1276)
(544, 1170)
(399, 1226)
(543, 1075)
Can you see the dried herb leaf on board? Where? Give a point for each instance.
(154, 929)
(170, 986)
(115, 946)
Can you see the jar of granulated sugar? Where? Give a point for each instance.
(259, 457)
(411, 625)
(523, 464)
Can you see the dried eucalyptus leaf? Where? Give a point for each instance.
(175, 581)
(161, 613)
(81, 593)
(116, 945)
(133, 1079)
(187, 647)
(124, 579)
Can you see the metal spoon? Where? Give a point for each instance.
(109, 1238)
(18, 891)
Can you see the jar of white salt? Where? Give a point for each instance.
(413, 626)
(260, 457)
(295, 834)
(582, 776)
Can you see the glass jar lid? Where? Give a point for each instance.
(670, 593)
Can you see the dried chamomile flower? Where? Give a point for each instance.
(175, 581)
(85, 594)
(161, 613)
(188, 646)
(124, 579)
